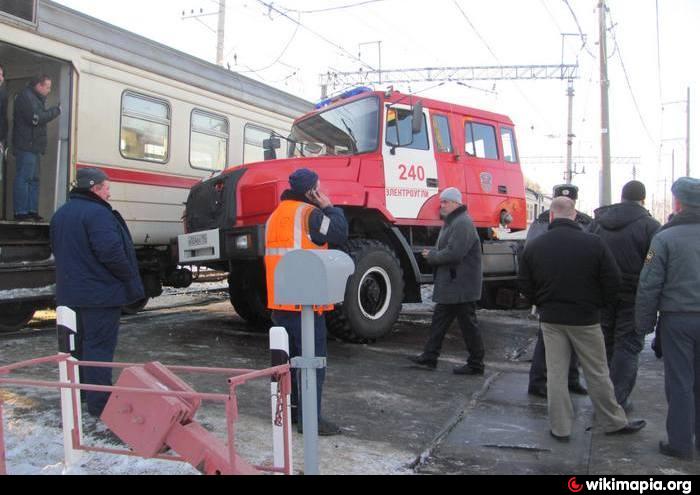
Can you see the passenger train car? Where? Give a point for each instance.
(156, 120)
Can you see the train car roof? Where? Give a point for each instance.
(101, 38)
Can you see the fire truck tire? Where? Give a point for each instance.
(14, 316)
(373, 295)
(248, 296)
(135, 307)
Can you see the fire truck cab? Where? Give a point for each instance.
(383, 157)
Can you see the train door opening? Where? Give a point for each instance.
(20, 67)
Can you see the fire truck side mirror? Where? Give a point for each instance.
(417, 121)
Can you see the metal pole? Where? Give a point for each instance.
(308, 393)
(673, 165)
(606, 180)
(380, 65)
(687, 136)
(279, 355)
(570, 134)
(220, 33)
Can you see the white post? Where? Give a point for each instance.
(279, 353)
(70, 399)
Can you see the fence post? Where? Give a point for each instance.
(71, 412)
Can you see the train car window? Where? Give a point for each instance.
(253, 136)
(441, 129)
(480, 140)
(145, 128)
(510, 153)
(208, 140)
(20, 9)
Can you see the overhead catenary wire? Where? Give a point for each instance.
(272, 8)
(279, 57)
(330, 9)
(578, 26)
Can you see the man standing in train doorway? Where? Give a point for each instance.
(304, 219)
(29, 140)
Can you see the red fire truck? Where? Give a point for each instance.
(383, 157)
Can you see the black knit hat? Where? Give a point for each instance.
(634, 191)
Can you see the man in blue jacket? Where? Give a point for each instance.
(96, 274)
(670, 285)
(29, 140)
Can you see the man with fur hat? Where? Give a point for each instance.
(457, 285)
(627, 228)
(537, 384)
(670, 285)
(96, 274)
(304, 219)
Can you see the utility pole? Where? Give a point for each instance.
(221, 33)
(606, 176)
(570, 133)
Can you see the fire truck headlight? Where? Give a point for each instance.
(242, 242)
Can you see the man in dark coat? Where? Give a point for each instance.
(670, 285)
(326, 225)
(29, 140)
(571, 275)
(457, 285)
(627, 228)
(96, 274)
(537, 384)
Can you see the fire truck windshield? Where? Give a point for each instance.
(349, 129)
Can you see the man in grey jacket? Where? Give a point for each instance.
(670, 284)
(457, 285)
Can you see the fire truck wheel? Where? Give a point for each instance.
(373, 295)
(136, 307)
(248, 296)
(14, 316)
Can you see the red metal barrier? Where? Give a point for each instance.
(151, 410)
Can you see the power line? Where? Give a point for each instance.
(284, 50)
(340, 7)
(272, 8)
(476, 31)
(627, 79)
(578, 25)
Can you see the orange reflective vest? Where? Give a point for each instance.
(286, 230)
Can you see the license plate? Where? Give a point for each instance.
(197, 240)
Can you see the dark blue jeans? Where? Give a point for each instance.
(622, 345)
(680, 339)
(26, 190)
(97, 341)
(291, 321)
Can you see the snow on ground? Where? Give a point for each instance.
(34, 444)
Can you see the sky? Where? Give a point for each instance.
(289, 45)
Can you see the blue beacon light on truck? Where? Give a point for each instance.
(343, 96)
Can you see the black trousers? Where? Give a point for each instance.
(538, 368)
(443, 316)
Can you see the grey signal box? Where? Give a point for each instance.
(308, 277)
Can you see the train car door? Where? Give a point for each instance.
(21, 66)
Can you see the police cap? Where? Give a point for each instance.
(567, 190)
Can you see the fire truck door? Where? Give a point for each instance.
(410, 168)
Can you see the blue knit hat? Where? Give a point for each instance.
(303, 180)
(687, 191)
